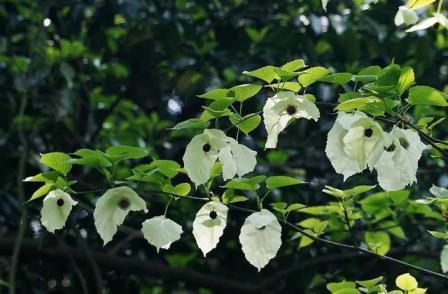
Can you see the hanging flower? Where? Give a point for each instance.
(354, 143)
(112, 208)
(209, 225)
(55, 210)
(260, 238)
(283, 107)
(406, 16)
(160, 232)
(204, 149)
(236, 159)
(397, 166)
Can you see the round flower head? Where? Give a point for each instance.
(283, 107)
(260, 238)
(354, 143)
(204, 149)
(405, 15)
(209, 225)
(398, 164)
(161, 232)
(112, 208)
(55, 210)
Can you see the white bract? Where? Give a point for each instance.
(429, 22)
(160, 231)
(354, 143)
(405, 15)
(283, 107)
(209, 224)
(397, 166)
(204, 149)
(260, 238)
(55, 210)
(112, 208)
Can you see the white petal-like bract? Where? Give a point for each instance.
(282, 107)
(209, 224)
(405, 15)
(112, 208)
(354, 143)
(160, 232)
(206, 148)
(55, 210)
(397, 166)
(260, 238)
(236, 159)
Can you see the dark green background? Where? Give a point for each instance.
(122, 72)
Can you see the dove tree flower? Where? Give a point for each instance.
(281, 108)
(204, 149)
(160, 231)
(209, 225)
(354, 143)
(260, 238)
(112, 208)
(57, 205)
(398, 164)
(405, 15)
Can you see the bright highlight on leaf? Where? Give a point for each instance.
(406, 282)
(283, 107)
(112, 208)
(55, 210)
(209, 225)
(160, 232)
(260, 238)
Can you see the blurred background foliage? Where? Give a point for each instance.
(97, 73)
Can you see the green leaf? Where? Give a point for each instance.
(406, 80)
(218, 108)
(215, 94)
(229, 197)
(281, 181)
(294, 207)
(338, 78)
(290, 86)
(247, 123)
(243, 92)
(444, 259)
(294, 65)
(45, 177)
(245, 184)
(279, 207)
(42, 191)
(91, 158)
(285, 74)
(357, 103)
(256, 35)
(368, 74)
(393, 228)
(424, 95)
(169, 168)
(440, 235)
(416, 4)
(333, 287)
(123, 152)
(193, 123)
(359, 190)
(369, 283)
(312, 75)
(265, 73)
(58, 161)
(180, 190)
(378, 242)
